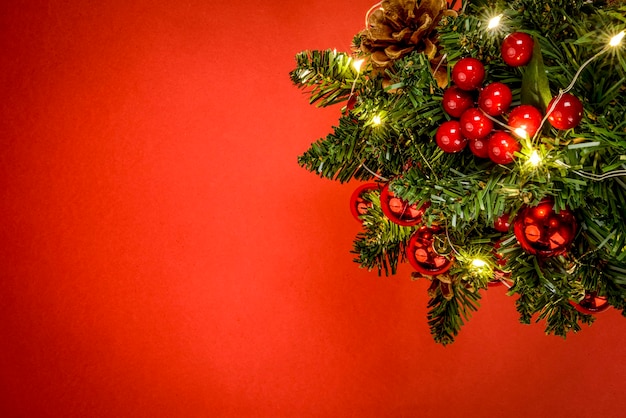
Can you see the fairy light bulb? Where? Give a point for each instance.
(478, 263)
(535, 158)
(376, 120)
(356, 64)
(494, 22)
(521, 132)
(617, 39)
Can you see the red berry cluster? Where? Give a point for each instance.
(472, 124)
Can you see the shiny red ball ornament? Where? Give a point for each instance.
(399, 211)
(422, 255)
(501, 147)
(566, 111)
(517, 49)
(449, 137)
(468, 74)
(525, 117)
(358, 205)
(495, 99)
(479, 147)
(475, 124)
(502, 223)
(592, 304)
(541, 231)
(456, 101)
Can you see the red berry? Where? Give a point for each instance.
(566, 112)
(456, 101)
(517, 49)
(475, 124)
(479, 147)
(449, 137)
(495, 99)
(468, 73)
(502, 223)
(525, 117)
(501, 147)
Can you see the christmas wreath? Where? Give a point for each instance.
(490, 138)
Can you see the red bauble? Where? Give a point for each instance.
(541, 231)
(456, 101)
(399, 211)
(421, 254)
(517, 49)
(479, 147)
(502, 223)
(449, 137)
(475, 124)
(358, 205)
(566, 112)
(525, 117)
(501, 147)
(495, 99)
(592, 304)
(468, 74)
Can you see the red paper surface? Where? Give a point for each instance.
(164, 256)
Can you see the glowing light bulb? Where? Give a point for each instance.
(521, 132)
(356, 64)
(535, 158)
(376, 120)
(617, 39)
(494, 22)
(477, 262)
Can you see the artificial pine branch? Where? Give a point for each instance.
(450, 306)
(382, 244)
(387, 132)
(327, 74)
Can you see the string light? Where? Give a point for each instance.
(376, 120)
(521, 132)
(535, 158)
(617, 39)
(494, 22)
(614, 42)
(478, 263)
(356, 64)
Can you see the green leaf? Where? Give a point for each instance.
(535, 86)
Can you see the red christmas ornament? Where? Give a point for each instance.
(592, 304)
(517, 49)
(495, 99)
(456, 101)
(525, 117)
(449, 137)
(479, 147)
(422, 255)
(502, 223)
(468, 74)
(475, 124)
(541, 231)
(501, 147)
(399, 211)
(358, 205)
(566, 113)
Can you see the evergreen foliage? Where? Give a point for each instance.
(582, 169)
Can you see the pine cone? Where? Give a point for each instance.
(401, 27)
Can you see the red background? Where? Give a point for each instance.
(164, 255)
